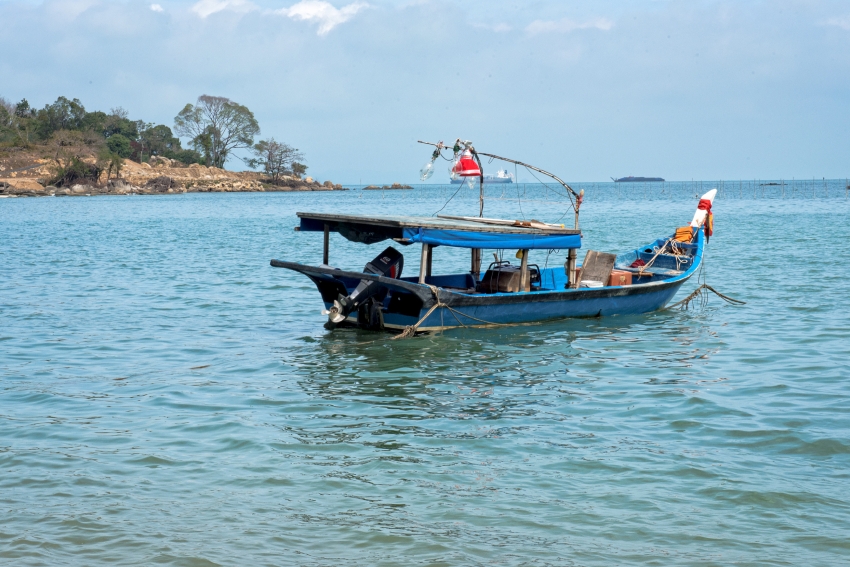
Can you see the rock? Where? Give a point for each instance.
(159, 161)
(160, 184)
(19, 185)
(80, 189)
(308, 180)
(145, 165)
(338, 187)
(115, 185)
(328, 184)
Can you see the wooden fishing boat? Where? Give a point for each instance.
(380, 296)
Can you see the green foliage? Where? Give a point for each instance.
(7, 111)
(94, 121)
(186, 156)
(22, 109)
(121, 125)
(217, 126)
(112, 162)
(160, 141)
(16, 127)
(63, 114)
(119, 145)
(7, 120)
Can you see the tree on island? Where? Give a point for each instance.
(298, 169)
(119, 145)
(276, 158)
(217, 126)
(16, 124)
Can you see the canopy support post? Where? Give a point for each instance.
(424, 262)
(475, 270)
(326, 244)
(524, 283)
(572, 281)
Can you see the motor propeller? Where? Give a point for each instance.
(388, 263)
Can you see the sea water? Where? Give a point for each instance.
(167, 397)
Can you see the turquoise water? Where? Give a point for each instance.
(168, 398)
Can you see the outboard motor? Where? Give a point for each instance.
(388, 263)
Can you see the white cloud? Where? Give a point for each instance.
(206, 8)
(156, 7)
(567, 25)
(323, 13)
(842, 22)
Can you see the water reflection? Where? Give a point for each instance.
(497, 373)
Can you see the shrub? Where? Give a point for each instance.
(119, 144)
(74, 172)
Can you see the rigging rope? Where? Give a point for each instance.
(699, 292)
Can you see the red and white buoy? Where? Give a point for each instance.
(703, 217)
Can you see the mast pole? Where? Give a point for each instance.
(480, 182)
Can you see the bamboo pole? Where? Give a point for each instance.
(524, 283)
(423, 262)
(571, 268)
(476, 264)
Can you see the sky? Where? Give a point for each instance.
(696, 89)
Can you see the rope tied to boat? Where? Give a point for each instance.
(685, 303)
(410, 330)
(658, 252)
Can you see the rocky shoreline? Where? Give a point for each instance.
(393, 187)
(159, 176)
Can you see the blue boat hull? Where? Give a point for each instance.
(441, 304)
(601, 302)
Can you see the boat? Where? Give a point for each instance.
(501, 176)
(632, 179)
(382, 297)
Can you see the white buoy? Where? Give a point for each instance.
(699, 216)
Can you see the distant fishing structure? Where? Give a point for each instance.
(668, 190)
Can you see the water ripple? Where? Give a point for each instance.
(167, 398)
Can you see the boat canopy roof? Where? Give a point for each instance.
(461, 232)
